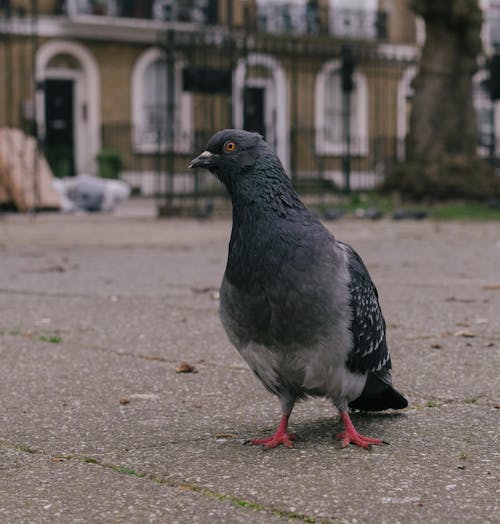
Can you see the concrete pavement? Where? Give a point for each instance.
(96, 425)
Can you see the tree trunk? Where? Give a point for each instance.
(443, 120)
(442, 143)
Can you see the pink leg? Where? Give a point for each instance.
(280, 437)
(351, 436)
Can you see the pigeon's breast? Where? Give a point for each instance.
(287, 309)
(289, 349)
(293, 330)
(245, 314)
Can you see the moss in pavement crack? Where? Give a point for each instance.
(127, 471)
(236, 501)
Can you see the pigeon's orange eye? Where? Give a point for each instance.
(229, 146)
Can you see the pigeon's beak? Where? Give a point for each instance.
(202, 160)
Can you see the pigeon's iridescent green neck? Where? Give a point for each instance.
(264, 188)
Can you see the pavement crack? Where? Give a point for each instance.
(243, 503)
(157, 358)
(143, 356)
(172, 483)
(59, 294)
(200, 490)
(19, 447)
(105, 297)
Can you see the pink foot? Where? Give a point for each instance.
(351, 436)
(280, 437)
(274, 441)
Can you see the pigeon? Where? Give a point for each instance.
(297, 304)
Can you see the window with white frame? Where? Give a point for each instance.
(353, 18)
(287, 16)
(405, 95)
(92, 7)
(331, 111)
(161, 111)
(197, 11)
(485, 115)
(491, 23)
(194, 11)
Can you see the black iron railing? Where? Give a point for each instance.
(296, 17)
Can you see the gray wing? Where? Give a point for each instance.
(369, 352)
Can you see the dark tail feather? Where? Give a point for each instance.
(377, 395)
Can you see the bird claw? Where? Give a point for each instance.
(274, 441)
(281, 436)
(348, 437)
(351, 436)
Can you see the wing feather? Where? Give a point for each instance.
(369, 351)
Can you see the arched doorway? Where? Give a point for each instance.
(488, 116)
(261, 101)
(68, 106)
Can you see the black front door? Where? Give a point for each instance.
(253, 110)
(59, 126)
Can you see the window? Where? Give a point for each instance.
(161, 111)
(192, 11)
(404, 99)
(330, 111)
(154, 102)
(92, 7)
(354, 18)
(196, 11)
(485, 116)
(491, 15)
(285, 16)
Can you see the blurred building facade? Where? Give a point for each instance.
(486, 100)
(327, 82)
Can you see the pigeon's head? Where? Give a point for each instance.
(231, 154)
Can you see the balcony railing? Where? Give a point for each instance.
(290, 17)
(358, 23)
(306, 17)
(269, 16)
(191, 11)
